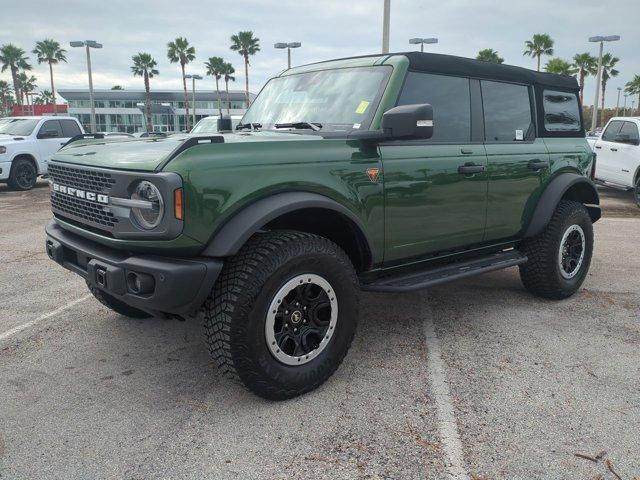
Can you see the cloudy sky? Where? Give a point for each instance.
(326, 28)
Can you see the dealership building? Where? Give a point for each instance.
(123, 110)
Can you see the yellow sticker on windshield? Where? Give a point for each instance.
(362, 107)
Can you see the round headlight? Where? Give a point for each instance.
(148, 216)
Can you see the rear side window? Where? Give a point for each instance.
(609, 135)
(631, 131)
(53, 125)
(561, 111)
(507, 112)
(70, 128)
(451, 102)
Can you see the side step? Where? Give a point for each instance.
(445, 273)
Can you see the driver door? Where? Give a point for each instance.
(50, 139)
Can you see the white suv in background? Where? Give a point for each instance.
(27, 144)
(618, 154)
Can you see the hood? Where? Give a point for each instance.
(9, 139)
(148, 153)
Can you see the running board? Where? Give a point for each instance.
(434, 276)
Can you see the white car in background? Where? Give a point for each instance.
(618, 154)
(209, 125)
(28, 143)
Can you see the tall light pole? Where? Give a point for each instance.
(422, 41)
(193, 78)
(386, 20)
(288, 46)
(89, 44)
(624, 109)
(618, 101)
(599, 39)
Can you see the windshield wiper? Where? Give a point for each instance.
(250, 126)
(315, 126)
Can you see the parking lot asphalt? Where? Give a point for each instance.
(474, 379)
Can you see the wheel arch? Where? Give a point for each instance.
(303, 211)
(26, 156)
(565, 186)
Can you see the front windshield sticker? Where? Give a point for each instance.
(362, 107)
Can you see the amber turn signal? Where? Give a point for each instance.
(178, 205)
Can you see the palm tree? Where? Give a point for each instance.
(632, 87)
(49, 51)
(215, 67)
(117, 87)
(608, 71)
(45, 98)
(145, 66)
(179, 51)
(245, 44)
(561, 67)
(586, 65)
(540, 44)
(5, 97)
(14, 58)
(228, 77)
(27, 85)
(489, 55)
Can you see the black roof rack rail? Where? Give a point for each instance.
(188, 143)
(82, 136)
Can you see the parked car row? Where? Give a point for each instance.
(618, 154)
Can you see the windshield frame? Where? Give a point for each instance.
(331, 128)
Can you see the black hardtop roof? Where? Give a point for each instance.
(450, 64)
(469, 67)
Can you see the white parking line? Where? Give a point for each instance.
(447, 426)
(19, 328)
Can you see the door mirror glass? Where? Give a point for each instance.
(408, 122)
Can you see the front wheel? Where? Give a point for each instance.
(636, 191)
(560, 256)
(23, 175)
(283, 313)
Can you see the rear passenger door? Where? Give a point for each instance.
(516, 158)
(431, 204)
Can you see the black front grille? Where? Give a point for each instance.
(83, 209)
(84, 179)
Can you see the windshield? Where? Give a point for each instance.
(206, 125)
(339, 99)
(18, 126)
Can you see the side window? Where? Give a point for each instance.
(451, 102)
(70, 128)
(507, 111)
(631, 130)
(53, 126)
(609, 135)
(561, 111)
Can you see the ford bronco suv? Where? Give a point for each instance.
(384, 173)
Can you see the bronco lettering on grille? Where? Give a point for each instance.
(77, 192)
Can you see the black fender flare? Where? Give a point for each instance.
(236, 231)
(583, 190)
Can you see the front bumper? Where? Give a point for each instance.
(179, 286)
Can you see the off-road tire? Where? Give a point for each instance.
(541, 273)
(636, 191)
(235, 312)
(23, 175)
(116, 305)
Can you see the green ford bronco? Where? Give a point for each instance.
(384, 173)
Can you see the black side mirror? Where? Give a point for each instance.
(409, 122)
(48, 134)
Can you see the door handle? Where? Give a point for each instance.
(466, 151)
(537, 164)
(614, 149)
(470, 169)
(598, 147)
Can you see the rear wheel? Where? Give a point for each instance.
(23, 174)
(560, 256)
(283, 313)
(116, 305)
